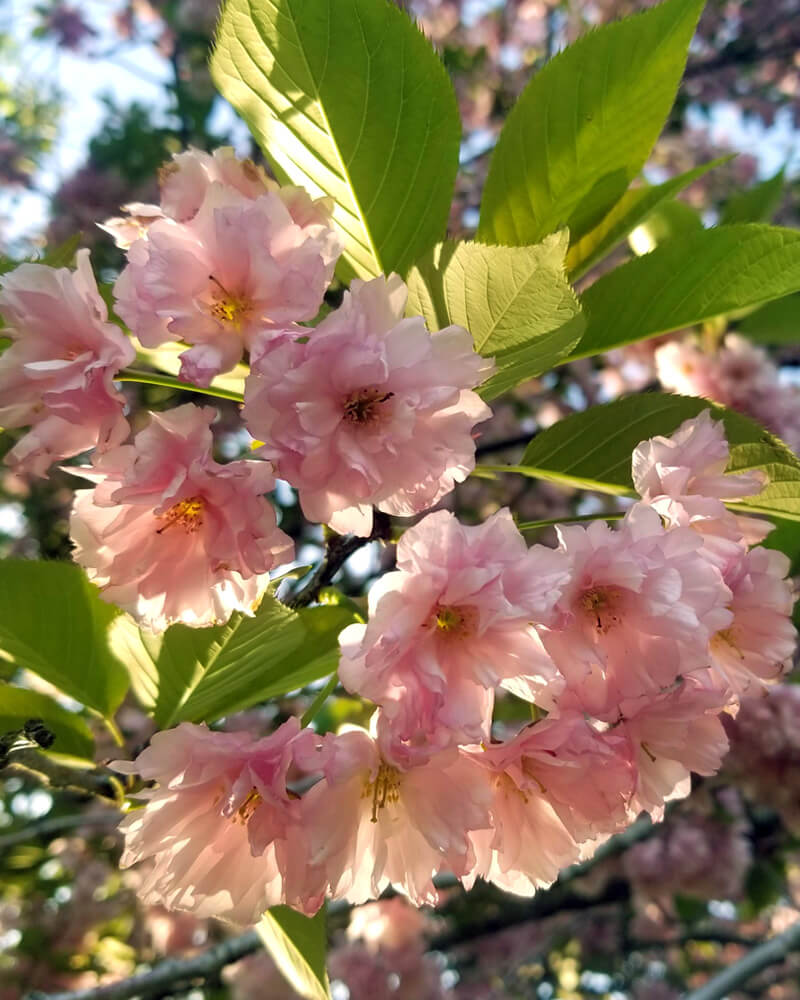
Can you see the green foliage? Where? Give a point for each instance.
(348, 99)
(515, 301)
(592, 449)
(633, 208)
(584, 126)
(18, 706)
(298, 946)
(777, 322)
(54, 623)
(689, 280)
(756, 204)
(201, 674)
(669, 220)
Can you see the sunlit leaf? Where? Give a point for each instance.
(298, 945)
(53, 622)
(348, 99)
(584, 126)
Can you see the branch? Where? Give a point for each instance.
(338, 550)
(59, 824)
(556, 899)
(735, 55)
(168, 974)
(761, 957)
(96, 781)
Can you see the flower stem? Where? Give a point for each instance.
(322, 696)
(171, 382)
(608, 516)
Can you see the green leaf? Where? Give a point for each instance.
(348, 99)
(670, 220)
(298, 945)
(201, 674)
(62, 255)
(584, 126)
(785, 537)
(632, 209)
(72, 735)
(777, 322)
(515, 301)
(757, 204)
(592, 449)
(687, 281)
(53, 622)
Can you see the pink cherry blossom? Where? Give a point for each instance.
(371, 410)
(58, 373)
(451, 624)
(739, 375)
(126, 230)
(171, 536)
(683, 478)
(692, 461)
(372, 823)
(672, 734)
(757, 647)
(555, 785)
(186, 179)
(221, 828)
(239, 266)
(640, 609)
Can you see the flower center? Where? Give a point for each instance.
(188, 514)
(726, 637)
(363, 405)
(601, 606)
(385, 788)
(248, 807)
(455, 623)
(227, 307)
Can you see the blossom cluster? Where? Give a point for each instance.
(365, 409)
(633, 642)
(629, 643)
(740, 375)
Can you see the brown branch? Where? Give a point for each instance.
(57, 825)
(770, 953)
(338, 550)
(99, 782)
(168, 976)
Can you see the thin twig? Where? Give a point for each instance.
(770, 953)
(59, 824)
(97, 781)
(166, 975)
(338, 550)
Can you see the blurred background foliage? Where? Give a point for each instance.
(93, 99)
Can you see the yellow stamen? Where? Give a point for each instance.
(449, 619)
(227, 307)
(248, 807)
(188, 514)
(385, 788)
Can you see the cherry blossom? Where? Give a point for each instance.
(231, 265)
(756, 648)
(170, 535)
(451, 624)
(555, 785)
(221, 827)
(672, 734)
(639, 611)
(373, 823)
(370, 409)
(57, 375)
